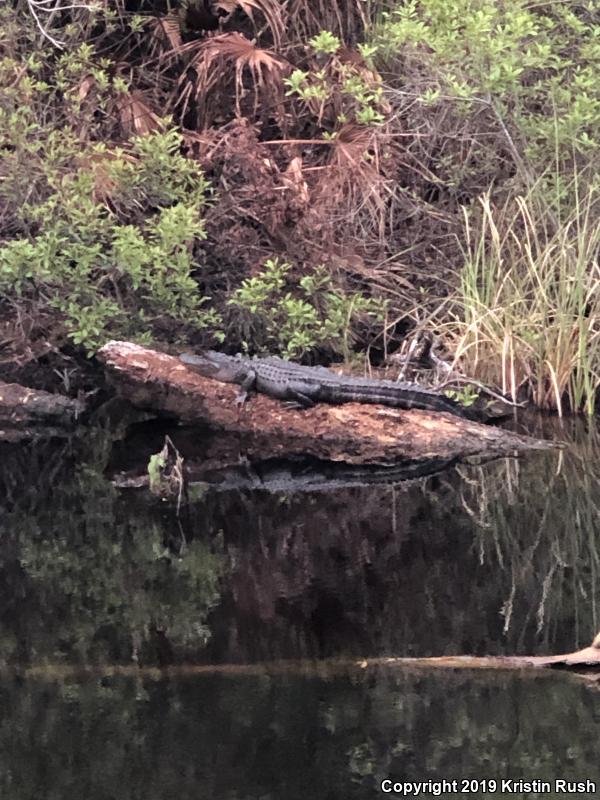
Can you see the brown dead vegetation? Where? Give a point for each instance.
(225, 65)
(376, 201)
(370, 202)
(298, 178)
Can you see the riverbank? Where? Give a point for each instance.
(325, 186)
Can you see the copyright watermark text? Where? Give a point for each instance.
(485, 786)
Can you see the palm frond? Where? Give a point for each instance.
(265, 67)
(272, 10)
(353, 188)
(169, 28)
(136, 116)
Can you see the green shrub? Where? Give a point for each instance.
(350, 92)
(103, 235)
(315, 314)
(104, 276)
(534, 66)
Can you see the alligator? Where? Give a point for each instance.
(306, 386)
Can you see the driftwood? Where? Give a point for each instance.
(353, 433)
(30, 413)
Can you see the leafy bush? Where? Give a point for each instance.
(534, 66)
(105, 276)
(508, 98)
(103, 235)
(317, 315)
(347, 90)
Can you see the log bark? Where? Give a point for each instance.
(30, 413)
(354, 433)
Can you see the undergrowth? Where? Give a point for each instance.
(317, 316)
(108, 273)
(534, 68)
(354, 134)
(507, 90)
(102, 233)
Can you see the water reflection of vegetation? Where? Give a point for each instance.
(423, 568)
(289, 737)
(86, 578)
(538, 523)
(500, 559)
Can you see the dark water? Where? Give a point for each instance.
(289, 737)
(497, 559)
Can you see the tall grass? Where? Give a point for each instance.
(528, 303)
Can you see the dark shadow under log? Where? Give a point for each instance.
(353, 433)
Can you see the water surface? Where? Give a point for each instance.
(496, 559)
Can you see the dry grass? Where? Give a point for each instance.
(528, 309)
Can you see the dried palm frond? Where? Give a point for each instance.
(136, 116)
(353, 188)
(86, 85)
(169, 28)
(272, 10)
(354, 147)
(266, 68)
(294, 178)
(297, 195)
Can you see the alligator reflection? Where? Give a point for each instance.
(497, 559)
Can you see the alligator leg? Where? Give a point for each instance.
(248, 384)
(299, 400)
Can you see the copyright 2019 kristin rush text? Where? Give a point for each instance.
(492, 786)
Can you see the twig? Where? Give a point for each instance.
(464, 380)
(53, 7)
(58, 44)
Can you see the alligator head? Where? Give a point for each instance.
(228, 369)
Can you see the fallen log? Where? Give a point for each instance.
(587, 658)
(30, 413)
(584, 662)
(353, 433)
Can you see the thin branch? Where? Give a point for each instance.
(42, 30)
(52, 7)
